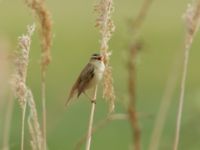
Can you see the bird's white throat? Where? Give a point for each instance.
(99, 69)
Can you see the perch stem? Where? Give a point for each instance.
(89, 133)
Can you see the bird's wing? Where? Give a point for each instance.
(85, 77)
(86, 74)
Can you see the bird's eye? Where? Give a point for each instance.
(98, 58)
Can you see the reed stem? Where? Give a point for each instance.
(90, 126)
(43, 93)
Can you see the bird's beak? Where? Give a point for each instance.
(101, 58)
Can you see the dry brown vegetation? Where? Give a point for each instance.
(106, 27)
(44, 19)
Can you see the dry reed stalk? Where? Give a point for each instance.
(34, 126)
(19, 77)
(165, 104)
(136, 25)
(192, 20)
(133, 117)
(90, 125)
(89, 134)
(100, 125)
(105, 24)
(44, 19)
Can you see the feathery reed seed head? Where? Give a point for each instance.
(21, 91)
(106, 28)
(192, 21)
(44, 17)
(104, 22)
(21, 63)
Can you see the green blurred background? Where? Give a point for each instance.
(74, 39)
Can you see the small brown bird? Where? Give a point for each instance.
(89, 77)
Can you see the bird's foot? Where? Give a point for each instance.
(93, 101)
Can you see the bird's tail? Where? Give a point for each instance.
(71, 95)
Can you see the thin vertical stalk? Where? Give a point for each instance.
(192, 19)
(89, 135)
(133, 118)
(90, 126)
(23, 125)
(99, 125)
(136, 25)
(43, 93)
(181, 100)
(33, 123)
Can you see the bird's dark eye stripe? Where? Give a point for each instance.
(96, 58)
(99, 58)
